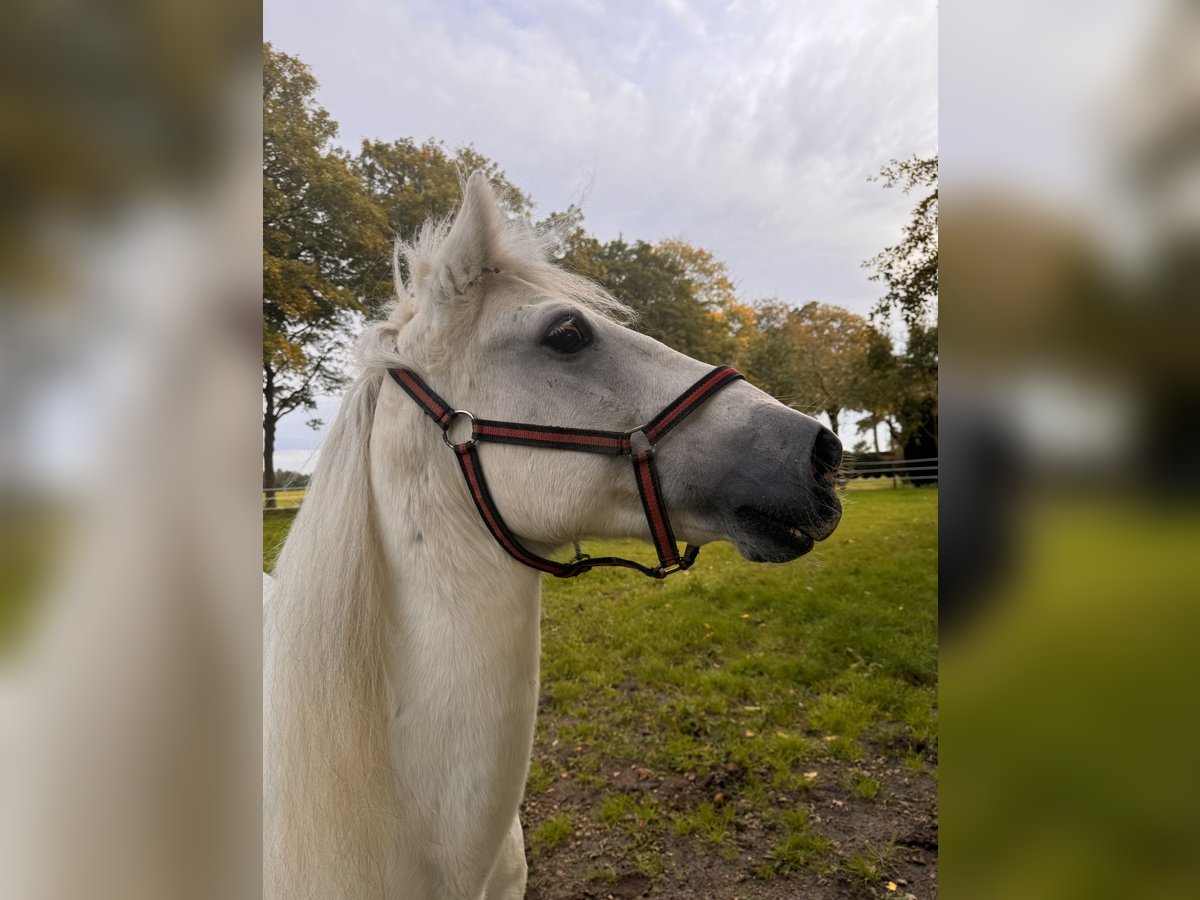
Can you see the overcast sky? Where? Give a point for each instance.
(747, 128)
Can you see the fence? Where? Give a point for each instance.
(857, 472)
(285, 497)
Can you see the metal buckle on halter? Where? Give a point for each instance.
(664, 571)
(454, 414)
(639, 444)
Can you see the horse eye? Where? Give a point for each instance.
(568, 336)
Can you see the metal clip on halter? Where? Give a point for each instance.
(454, 414)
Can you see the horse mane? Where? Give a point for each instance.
(328, 834)
(332, 830)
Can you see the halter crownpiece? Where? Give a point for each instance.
(638, 444)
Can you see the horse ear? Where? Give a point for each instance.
(471, 244)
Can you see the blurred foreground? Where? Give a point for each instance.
(129, 271)
(1070, 449)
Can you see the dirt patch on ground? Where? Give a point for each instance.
(885, 846)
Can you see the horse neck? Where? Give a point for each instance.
(464, 615)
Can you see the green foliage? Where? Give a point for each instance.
(909, 269)
(329, 223)
(322, 237)
(320, 233)
(682, 295)
(900, 390)
(655, 285)
(410, 183)
(814, 358)
(285, 478)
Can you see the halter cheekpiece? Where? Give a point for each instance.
(639, 445)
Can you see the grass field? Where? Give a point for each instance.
(286, 499)
(742, 730)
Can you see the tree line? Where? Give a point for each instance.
(330, 218)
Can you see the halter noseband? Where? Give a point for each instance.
(638, 445)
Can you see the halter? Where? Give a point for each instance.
(638, 445)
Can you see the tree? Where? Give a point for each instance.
(681, 294)
(578, 251)
(812, 358)
(909, 269)
(917, 406)
(730, 321)
(322, 239)
(286, 478)
(900, 390)
(880, 387)
(411, 182)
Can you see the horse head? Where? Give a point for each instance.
(499, 331)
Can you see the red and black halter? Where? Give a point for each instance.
(638, 445)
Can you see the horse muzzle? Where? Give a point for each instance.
(780, 497)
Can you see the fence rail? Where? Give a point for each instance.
(282, 497)
(856, 472)
(921, 471)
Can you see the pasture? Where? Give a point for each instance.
(741, 730)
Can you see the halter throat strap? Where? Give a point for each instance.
(639, 445)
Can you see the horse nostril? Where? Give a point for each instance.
(826, 455)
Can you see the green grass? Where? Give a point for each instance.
(863, 786)
(765, 671)
(801, 847)
(712, 823)
(867, 868)
(840, 646)
(32, 544)
(287, 499)
(629, 812)
(275, 528)
(541, 776)
(550, 833)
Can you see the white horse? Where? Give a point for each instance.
(401, 640)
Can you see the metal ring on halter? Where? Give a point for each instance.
(454, 414)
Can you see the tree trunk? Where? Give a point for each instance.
(875, 435)
(269, 420)
(834, 413)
